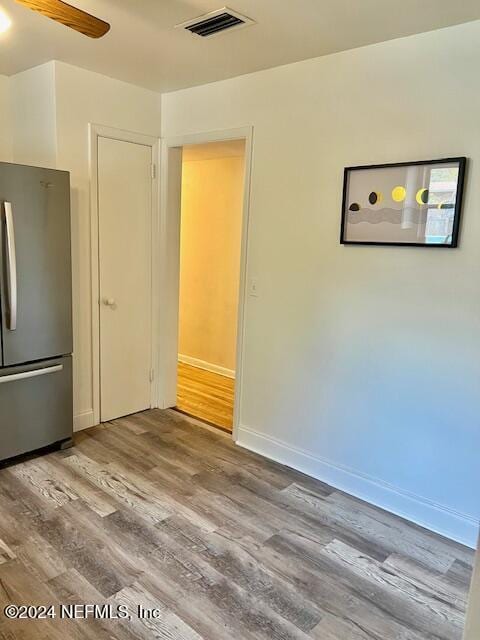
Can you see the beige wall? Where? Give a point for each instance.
(51, 107)
(5, 120)
(472, 629)
(361, 364)
(211, 223)
(33, 116)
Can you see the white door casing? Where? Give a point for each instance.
(169, 263)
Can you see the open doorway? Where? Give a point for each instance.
(212, 169)
(212, 192)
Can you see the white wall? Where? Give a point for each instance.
(32, 109)
(362, 364)
(51, 107)
(83, 97)
(5, 132)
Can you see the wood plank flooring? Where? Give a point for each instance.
(226, 545)
(206, 395)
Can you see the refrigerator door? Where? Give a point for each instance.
(35, 406)
(35, 263)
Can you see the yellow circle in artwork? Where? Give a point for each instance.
(422, 196)
(399, 194)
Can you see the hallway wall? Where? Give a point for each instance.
(211, 227)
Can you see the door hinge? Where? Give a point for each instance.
(154, 171)
(152, 375)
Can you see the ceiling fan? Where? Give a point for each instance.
(69, 16)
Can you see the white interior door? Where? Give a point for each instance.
(125, 276)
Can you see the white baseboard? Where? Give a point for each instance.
(83, 420)
(422, 511)
(208, 366)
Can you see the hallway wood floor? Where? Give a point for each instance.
(206, 395)
(227, 545)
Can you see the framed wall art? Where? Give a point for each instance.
(410, 203)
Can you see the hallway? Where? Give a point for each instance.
(205, 395)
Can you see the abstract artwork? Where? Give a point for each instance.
(413, 204)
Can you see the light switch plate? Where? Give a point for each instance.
(253, 287)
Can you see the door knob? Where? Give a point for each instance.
(109, 302)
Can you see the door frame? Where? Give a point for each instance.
(169, 263)
(96, 131)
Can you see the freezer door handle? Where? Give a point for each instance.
(11, 268)
(31, 374)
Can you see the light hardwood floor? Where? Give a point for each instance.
(151, 510)
(206, 395)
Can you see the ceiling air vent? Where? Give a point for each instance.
(215, 22)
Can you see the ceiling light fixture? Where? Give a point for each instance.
(5, 22)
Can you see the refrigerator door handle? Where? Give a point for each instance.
(11, 268)
(31, 374)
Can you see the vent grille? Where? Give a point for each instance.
(214, 25)
(216, 22)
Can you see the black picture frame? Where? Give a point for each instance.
(462, 165)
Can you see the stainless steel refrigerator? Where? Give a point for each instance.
(36, 310)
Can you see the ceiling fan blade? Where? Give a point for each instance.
(69, 16)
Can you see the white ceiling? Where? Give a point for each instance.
(144, 48)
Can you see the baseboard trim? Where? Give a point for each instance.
(83, 420)
(422, 511)
(207, 366)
